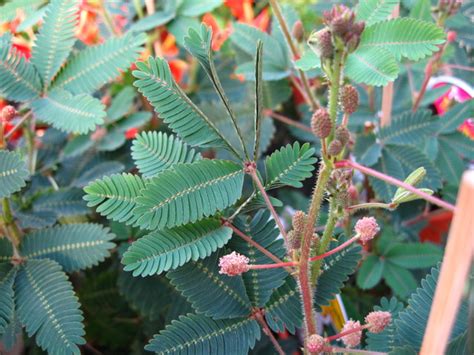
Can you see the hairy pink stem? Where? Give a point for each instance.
(347, 332)
(288, 121)
(335, 349)
(396, 182)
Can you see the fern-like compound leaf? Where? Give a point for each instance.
(409, 128)
(62, 202)
(73, 246)
(260, 284)
(13, 173)
(188, 192)
(7, 304)
(289, 166)
(404, 37)
(283, 310)
(47, 307)
(218, 296)
(97, 65)
(154, 152)
(69, 113)
(171, 248)
(373, 11)
(155, 82)
(19, 80)
(372, 66)
(56, 38)
(115, 196)
(196, 334)
(335, 271)
(411, 322)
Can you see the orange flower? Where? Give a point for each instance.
(241, 9)
(88, 29)
(468, 128)
(219, 35)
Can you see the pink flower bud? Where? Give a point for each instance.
(353, 339)
(366, 228)
(233, 264)
(378, 320)
(7, 113)
(315, 343)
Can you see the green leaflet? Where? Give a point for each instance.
(188, 193)
(47, 307)
(409, 128)
(283, 310)
(373, 11)
(414, 255)
(335, 271)
(8, 12)
(13, 173)
(289, 166)
(404, 37)
(372, 66)
(19, 78)
(155, 82)
(63, 202)
(260, 284)
(196, 334)
(69, 113)
(7, 304)
(400, 280)
(115, 196)
(411, 322)
(55, 39)
(218, 296)
(73, 246)
(370, 272)
(97, 65)
(171, 248)
(154, 152)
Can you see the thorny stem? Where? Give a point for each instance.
(294, 50)
(325, 240)
(268, 332)
(251, 170)
(367, 205)
(347, 332)
(18, 125)
(396, 182)
(334, 91)
(288, 121)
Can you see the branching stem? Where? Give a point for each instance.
(268, 332)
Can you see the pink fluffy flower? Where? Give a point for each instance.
(367, 228)
(377, 321)
(353, 339)
(315, 343)
(233, 264)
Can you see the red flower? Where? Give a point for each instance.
(438, 225)
(131, 133)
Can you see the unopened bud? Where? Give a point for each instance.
(335, 147)
(315, 343)
(321, 123)
(451, 36)
(349, 99)
(294, 240)
(298, 221)
(342, 135)
(321, 43)
(8, 113)
(298, 31)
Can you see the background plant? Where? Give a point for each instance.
(221, 207)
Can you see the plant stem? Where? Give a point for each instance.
(336, 349)
(138, 8)
(8, 220)
(396, 182)
(288, 121)
(22, 120)
(334, 91)
(269, 333)
(303, 276)
(325, 241)
(347, 332)
(261, 188)
(30, 132)
(368, 205)
(294, 50)
(252, 242)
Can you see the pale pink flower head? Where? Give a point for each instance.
(353, 339)
(233, 264)
(366, 228)
(378, 320)
(315, 343)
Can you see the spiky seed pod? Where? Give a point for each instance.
(321, 43)
(321, 123)
(298, 31)
(350, 99)
(7, 113)
(342, 135)
(335, 147)
(298, 221)
(294, 240)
